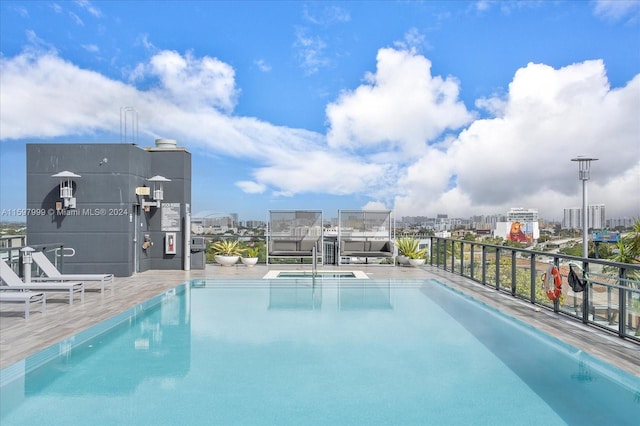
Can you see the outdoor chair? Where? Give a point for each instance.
(13, 282)
(26, 297)
(52, 274)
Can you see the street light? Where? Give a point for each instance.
(584, 164)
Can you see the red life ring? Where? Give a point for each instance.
(552, 282)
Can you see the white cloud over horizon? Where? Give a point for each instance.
(403, 137)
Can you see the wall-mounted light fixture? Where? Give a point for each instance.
(157, 194)
(27, 260)
(66, 190)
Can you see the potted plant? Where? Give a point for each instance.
(416, 258)
(405, 246)
(251, 257)
(409, 247)
(227, 252)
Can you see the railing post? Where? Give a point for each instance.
(497, 269)
(556, 303)
(622, 303)
(453, 256)
(473, 260)
(462, 258)
(484, 265)
(534, 277)
(587, 292)
(513, 272)
(444, 256)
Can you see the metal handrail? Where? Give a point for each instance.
(488, 264)
(15, 254)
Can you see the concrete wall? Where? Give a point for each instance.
(105, 231)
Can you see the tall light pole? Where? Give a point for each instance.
(584, 165)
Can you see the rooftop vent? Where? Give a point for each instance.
(166, 144)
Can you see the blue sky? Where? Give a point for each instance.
(454, 107)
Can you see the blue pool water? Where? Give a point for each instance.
(286, 352)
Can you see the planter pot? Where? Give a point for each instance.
(226, 260)
(249, 261)
(402, 259)
(417, 262)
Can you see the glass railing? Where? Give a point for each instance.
(611, 299)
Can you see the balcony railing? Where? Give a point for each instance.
(611, 299)
(13, 256)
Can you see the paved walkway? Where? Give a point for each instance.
(20, 338)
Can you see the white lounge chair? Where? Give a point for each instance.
(52, 273)
(26, 297)
(13, 282)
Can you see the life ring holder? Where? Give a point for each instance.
(552, 282)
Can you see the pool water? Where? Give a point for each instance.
(290, 352)
(317, 275)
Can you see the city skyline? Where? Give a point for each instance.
(463, 108)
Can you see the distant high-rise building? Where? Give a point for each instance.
(623, 222)
(572, 218)
(596, 216)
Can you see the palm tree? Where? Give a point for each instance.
(629, 246)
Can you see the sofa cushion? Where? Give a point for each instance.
(284, 245)
(353, 246)
(380, 246)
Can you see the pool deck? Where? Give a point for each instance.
(20, 338)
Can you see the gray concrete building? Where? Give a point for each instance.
(115, 207)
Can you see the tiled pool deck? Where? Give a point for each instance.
(20, 338)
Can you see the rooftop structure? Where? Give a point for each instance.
(116, 208)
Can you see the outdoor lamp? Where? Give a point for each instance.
(584, 166)
(27, 259)
(157, 193)
(66, 189)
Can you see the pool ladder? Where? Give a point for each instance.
(314, 261)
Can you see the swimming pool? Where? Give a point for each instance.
(337, 352)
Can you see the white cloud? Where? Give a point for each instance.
(86, 5)
(43, 96)
(263, 65)
(402, 106)
(251, 187)
(190, 81)
(311, 51)
(325, 15)
(143, 40)
(522, 158)
(413, 41)
(21, 11)
(398, 139)
(616, 10)
(90, 48)
(320, 171)
(75, 18)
